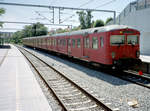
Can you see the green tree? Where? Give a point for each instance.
(82, 16)
(88, 19)
(39, 29)
(27, 31)
(2, 11)
(108, 20)
(98, 23)
(92, 24)
(17, 37)
(85, 19)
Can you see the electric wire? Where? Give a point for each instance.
(107, 3)
(78, 7)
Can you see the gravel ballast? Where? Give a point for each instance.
(112, 91)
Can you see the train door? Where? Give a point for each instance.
(86, 47)
(69, 46)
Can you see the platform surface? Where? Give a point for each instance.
(19, 90)
(2, 54)
(145, 58)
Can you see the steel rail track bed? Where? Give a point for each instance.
(133, 77)
(127, 75)
(70, 96)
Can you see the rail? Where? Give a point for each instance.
(56, 80)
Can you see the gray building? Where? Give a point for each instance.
(6, 34)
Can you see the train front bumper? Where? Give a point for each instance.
(126, 63)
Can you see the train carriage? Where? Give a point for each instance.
(115, 45)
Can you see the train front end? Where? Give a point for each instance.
(124, 48)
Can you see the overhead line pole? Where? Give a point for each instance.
(59, 15)
(45, 6)
(53, 16)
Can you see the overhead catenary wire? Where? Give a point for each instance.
(107, 3)
(43, 16)
(78, 7)
(57, 7)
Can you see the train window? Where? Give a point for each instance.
(86, 42)
(132, 39)
(69, 42)
(64, 42)
(43, 42)
(73, 43)
(49, 41)
(94, 43)
(58, 41)
(61, 42)
(117, 39)
(78, 43)
(55, 42)
(101, 41)
(52, 42)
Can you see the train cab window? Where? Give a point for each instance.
(94, 43)
(132, 39)
(101, 41)
(78, 43)
(73, 43)
(117, 39)
(86, 42)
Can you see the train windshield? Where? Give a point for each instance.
(117, 39)
(132, 39)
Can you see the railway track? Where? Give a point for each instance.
(133, 77)
(70, 96)
(127, 75)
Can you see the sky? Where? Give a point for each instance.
(44, 15)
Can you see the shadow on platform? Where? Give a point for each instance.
(5, 47)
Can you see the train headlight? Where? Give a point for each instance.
(138, 54)
(113, 54)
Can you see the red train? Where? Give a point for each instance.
(114, 45)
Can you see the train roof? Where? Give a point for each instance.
(89, 31)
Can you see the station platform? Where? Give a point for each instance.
(19, 90)
(145, 58)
